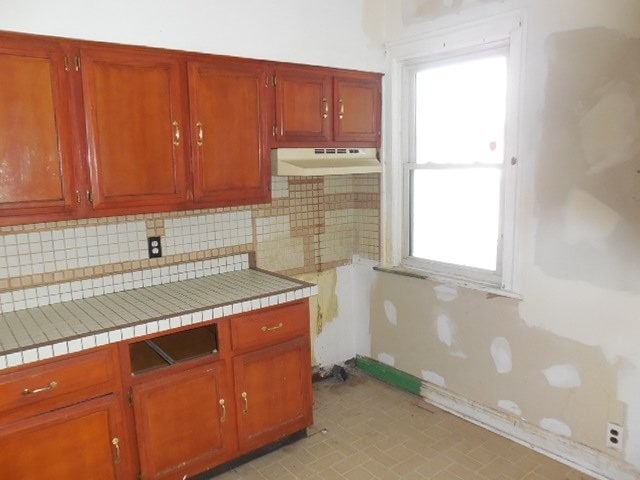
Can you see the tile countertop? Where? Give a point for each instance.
(46, 331)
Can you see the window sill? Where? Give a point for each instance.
(405, 271)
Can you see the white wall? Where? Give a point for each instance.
(328, 32)
(578, 240)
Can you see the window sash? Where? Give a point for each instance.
(457, 271)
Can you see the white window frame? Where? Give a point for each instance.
(502, 32)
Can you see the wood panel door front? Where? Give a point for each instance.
(273, 393)
(184, 422)
(228, 122)
(134, 111)
(36, 168)
(357, 108)
(76, 442)
(303, 106)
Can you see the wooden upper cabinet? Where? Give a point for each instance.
(303, 103)
(318, 107)
(228, 110)
(356, 112)
(134, 109)
(36, 167)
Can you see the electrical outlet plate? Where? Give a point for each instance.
(614, 436)
(155, 247)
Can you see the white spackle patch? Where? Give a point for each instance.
(501, 353)
(445, 328)
(391, 312)
(433, 377)
(510, 406)
(587, 219)
(459, 354)
(387, 359)
(556, 426)
(446, 293)
(563, 376)
(608, 131)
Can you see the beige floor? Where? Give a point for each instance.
(374, 431)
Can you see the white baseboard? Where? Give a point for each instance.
(585, 459)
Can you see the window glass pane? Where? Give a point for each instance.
(460, 112)
(455, 216)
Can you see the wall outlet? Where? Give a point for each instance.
(614, 436)
(155, 247)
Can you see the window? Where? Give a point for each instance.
(458, 154)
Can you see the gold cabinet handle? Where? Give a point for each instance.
(200, 134)
(78, 197)
(325, 114)
(176, 133)
(224, 410)
(52, 384)
(246, 403)
(116, 443)
(269, 329)
(341, 113)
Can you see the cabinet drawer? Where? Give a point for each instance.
(39, 388)
(269, 327)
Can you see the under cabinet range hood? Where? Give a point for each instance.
(304, 162)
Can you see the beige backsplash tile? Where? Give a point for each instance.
(312, 224)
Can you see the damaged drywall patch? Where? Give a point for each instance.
(501, 354)
(391, 312)
(510, 406)
(433, 377)
(587, 180)
(554, 425)
(587, 219)
(387, 359)
(563, 376)
(608, 129)
(416, 10)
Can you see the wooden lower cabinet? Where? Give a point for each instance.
(273, 393)
(203, 400)
(76, 442)
(184, 422)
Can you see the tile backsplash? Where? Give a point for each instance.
(312, 224)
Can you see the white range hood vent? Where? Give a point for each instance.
(303, 162)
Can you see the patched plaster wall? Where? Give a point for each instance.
(565, 357)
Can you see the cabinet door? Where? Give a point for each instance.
(184, 422)
(228, 106)
(72, 443)
(134, 113)
(273, 393)
(357, 110)
(303, 104)
(36, 168)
